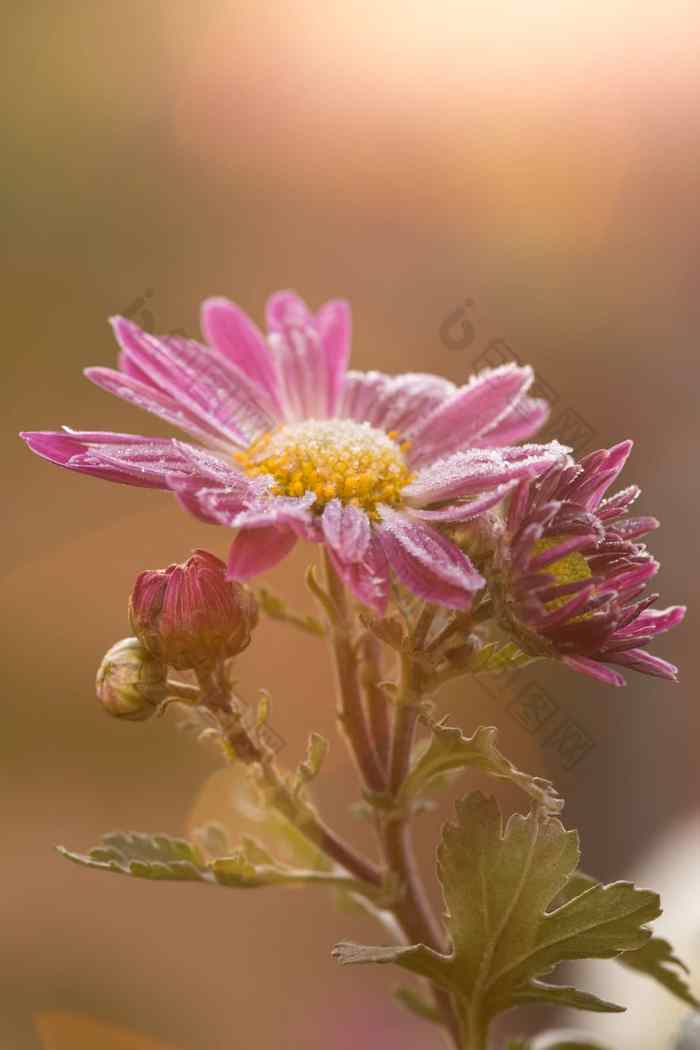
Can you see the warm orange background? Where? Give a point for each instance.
(541, 158)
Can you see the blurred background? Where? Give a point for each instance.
(538, 159)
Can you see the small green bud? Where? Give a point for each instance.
(131, 683)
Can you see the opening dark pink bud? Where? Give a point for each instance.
(190, 616)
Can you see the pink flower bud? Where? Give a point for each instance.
(130, 681)
(190, 616)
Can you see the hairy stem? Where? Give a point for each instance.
(351, 713)
(413, 911)
(376, 702)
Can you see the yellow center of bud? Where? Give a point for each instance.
(334, 459)
(569, 569)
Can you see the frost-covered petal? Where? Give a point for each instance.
(215, 504)
(521, 423)
(466, 511)
(477, 470)
(279, 511)
(234, 335)
(256, 550)
(334, 324)
(203, 382)
(427, 563)
(368, 579)
(346, 530)
(470, 412)
(310, 354)
(393, 403)
(126, 458)
(151, 399)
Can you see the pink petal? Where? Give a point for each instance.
(346, 530)
(594, 488)
(468, 510)
(310, 354)
(470, 412)
(200, 380)
(367, 579)
(255, 550)
(278, 511)
(397, 403)
(427, 563)
(217, 505)
(594, 670)
(125, 458)
(656, 621)
(153, 400)
(334, 331)
(645, 663)
(477, 470)
(235, 336)
(524, 420)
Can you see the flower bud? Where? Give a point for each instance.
(190, 616)
(131, 682)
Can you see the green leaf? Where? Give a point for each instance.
(655, 958)
(449, 750)
(499, 884)
(159, 857)
(496, 656)
(559, 995)
(144, 856)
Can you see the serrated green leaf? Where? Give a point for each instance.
(496, 656)
(144, 856)
(162, 858)
(559, 995)
(449, 750)
(499, 884)
(655, 959)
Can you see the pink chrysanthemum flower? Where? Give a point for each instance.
(569, 574)
(297, 446)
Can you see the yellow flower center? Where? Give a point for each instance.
(333, 458)
(569, 569)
